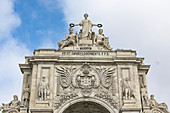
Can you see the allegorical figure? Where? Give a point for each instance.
(14, 104)
(102, 40)
(86, 27)
(144, 96)
(154, 104)
(70, 39)
(127, 91)
(43, 91)
(26, 96)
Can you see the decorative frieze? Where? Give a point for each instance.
(83, 81)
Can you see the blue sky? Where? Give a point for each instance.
(39, 23)
(143, 25)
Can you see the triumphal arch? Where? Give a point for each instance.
(84, 76)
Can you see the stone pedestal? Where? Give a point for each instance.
(130, 110)
(85, 41)
(23, 110)
(40, 103)
(41, 110)
(129, 106)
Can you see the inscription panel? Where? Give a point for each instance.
(86, 53)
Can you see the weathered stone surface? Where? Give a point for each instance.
(85, 76)
(12, 107)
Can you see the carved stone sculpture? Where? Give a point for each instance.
(106, 75)
(154, 105)
(64, 98)
(65, 76)
(82, 81)
(86, 27)
(86, 39)
(69, 40)
(86, 80)
(26, 96)
(107, 45)
(127, 91)
(101, 40)
(144, 96)
(13, 106)
(112, 100)
(153, 102)
(43, 91)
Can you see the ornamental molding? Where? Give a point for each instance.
(85, 81)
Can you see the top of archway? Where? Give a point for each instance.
(86, 38)
(86, 106)
(90, 101)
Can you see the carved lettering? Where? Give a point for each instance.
(86, 53)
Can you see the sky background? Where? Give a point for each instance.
(141, 25)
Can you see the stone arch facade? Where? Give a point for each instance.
(85, 70)
(105, 106)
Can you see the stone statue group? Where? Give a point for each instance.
(85, 34)
(15, 105)
(151, 103)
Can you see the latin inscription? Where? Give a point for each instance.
(86, 53)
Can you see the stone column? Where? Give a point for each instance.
(33, 93)
(58, 86)
(23, 85)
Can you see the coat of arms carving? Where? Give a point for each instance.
(86, 78)
(84, 81)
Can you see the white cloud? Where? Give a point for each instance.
(141, 25)
(11, 53)
(9, 20)
(132, 24)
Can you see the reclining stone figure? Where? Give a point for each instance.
(154, 105)
(13, 106)
(101, 40)
(69, 40)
